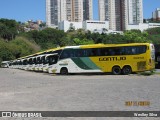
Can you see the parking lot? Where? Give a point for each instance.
(30, 91)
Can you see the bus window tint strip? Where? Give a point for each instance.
(109, 51)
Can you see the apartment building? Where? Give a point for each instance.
(87, 10)
(135, 11)
(117, 14)
(70, 10)
(120, 13)
(74, 10)
(156, 15)
(54, 12)
(103, 6)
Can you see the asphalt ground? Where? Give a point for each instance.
(31, 91)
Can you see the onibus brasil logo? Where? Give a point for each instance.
(21, 114)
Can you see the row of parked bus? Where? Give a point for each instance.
(115, 58)
(36, 62)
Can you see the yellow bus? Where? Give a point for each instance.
(115, 58)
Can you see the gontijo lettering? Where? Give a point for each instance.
(112, 58)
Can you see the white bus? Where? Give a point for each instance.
(39, 64)
(5, 64)
(25, 65)
(49, 58)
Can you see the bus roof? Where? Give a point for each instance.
(5, 62)
(111, 45)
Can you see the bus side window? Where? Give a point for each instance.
(65, 54)
(103, 52)
(78, 53)
(90, 52)
(85, 53)
(117, 51)
(143, 49)
(111, 51)
(134, 50)
(93, 52)
(128, 51)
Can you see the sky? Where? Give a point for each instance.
(24, 10)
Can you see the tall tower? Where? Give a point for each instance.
(103, 10)
(135, 11)
(71, 10)
(120, 13)
(156, 15)
(117, 14)
(87, 9)
(55, 12)
(74, 10)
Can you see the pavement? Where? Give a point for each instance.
(30, 91)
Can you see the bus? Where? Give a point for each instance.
(25, 65)
(46, 60)
(49, 60)
(38, 62)
(5, 64)
(115, 58)
(157, 56)
(34, 62)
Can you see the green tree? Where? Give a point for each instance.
(82, 42)
(154, 35)
(5, 53)
(3, 29)
(48, 38)
(22, 47)
(135, 36)
(71, 28)
(8, 29)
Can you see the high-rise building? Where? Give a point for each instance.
(74, 9)
(103, 10)
(156, 15)
(87, 9)
(117, 14)
(120, 13)
(135, 11)
(71, 10)
(54, 12)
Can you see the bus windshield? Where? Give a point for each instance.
(50, 59)
(53, 59)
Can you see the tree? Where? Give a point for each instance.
(82, 42)
(8, 29)
(5, 53)
(42, 25)
(48, 38)
(136, 36)
(104, 30)
(154, 35)
(71, 28)
(3, 30)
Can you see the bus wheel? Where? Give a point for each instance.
(64, 71)
(116, 70)
(126, 70)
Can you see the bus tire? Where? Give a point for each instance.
(126, 70)
(64, 71)
(116, 70)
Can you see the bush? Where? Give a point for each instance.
(17, 48)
